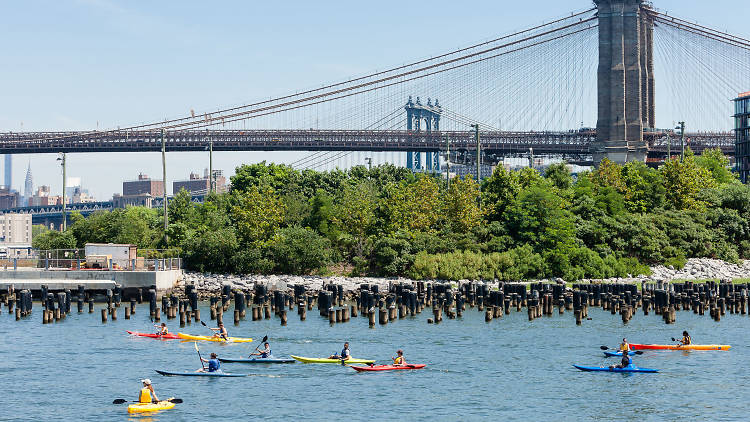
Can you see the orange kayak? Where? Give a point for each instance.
(634, 346)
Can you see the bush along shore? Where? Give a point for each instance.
(613, 222)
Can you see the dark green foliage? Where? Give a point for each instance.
(613, 221)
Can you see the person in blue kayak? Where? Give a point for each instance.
(265, 353)
(221, 331)
(624, 363)
(346, 354)
(147, 394)
(399, 359)
(213, 364)
(685, 340)
(624, 346)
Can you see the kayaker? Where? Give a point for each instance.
(624, 362)
(221, 331)
(213, 364)
(346, 354)
(147, 395)
(265, 353)
(161, 329)
(624, 346)
(686, 339)
(399, 360)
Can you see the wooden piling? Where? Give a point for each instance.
(104, 314)
(354, 311)
(236, 317)
(127, 313)
(383, 316)
(282, 315)
(371, 318)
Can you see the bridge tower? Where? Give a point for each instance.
(625, 80)
(415, 114)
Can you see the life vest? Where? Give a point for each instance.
(687, 340)
(145, 395)
(624, 347)
(398, 361)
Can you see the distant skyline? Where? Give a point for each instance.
(83, 64)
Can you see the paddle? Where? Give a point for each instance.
(637, 352)
(199, 355)
(121, 401)
(261, 342)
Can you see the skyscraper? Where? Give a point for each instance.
(28, 187)
(8, 170)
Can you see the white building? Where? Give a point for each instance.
(15, 229)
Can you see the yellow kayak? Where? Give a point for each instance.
(150, 407)
(326, 360)
(209, 338)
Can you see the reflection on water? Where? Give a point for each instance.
(509, 368)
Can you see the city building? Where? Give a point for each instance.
(143, 185)
(742, 133)
(124, 201)
(15, 229)
(198, 185)
(81, 196)
(28, 187)
(8, 198)
(42, 197)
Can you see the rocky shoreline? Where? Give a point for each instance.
(695, 269)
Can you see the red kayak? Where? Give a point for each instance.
(169, 336)
(387, 367)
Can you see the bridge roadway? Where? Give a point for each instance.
(570, 144)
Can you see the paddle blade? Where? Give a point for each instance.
(195, 343)
(639, 352)
(204, 324)
(604, 347)
(175, 401)
(119, 401)
(265, 338)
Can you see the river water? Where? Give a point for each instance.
(510, 369)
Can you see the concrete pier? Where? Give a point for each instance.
(32, 279)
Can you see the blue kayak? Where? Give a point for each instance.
(258, 360)
(629, 368)
(199, 374)
(619, 354)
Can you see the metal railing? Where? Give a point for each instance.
(75, 259)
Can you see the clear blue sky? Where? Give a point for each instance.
(70, 64)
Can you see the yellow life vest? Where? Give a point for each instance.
(398, 361)
(687, 340)
(145, 395)
(624, 347)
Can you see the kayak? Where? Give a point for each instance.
(150, 407)
(326, 360)
(629, 368)
(258, 360)
(219, 339)
(199, 374)
(169, 336)
(612, 354)
(679, 347)
(387, 367)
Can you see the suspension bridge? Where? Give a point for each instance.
(611, 81)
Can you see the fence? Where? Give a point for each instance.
(75, 259)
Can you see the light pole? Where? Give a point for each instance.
(164, 183)
(682, 139)
(61, 159)
(211, 165)
(479, 152)
(448, 161)
(669, 146)
(369, 163)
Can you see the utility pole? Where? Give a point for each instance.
(61, 159)
(669, 146)
(369, 163)
(682, 140)
(164, 182)
(210, 165)
(479, 152)
(448, 161)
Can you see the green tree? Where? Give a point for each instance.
(53, 239)
(683, 182)
(559, 175)
(413, 207)
(354, 213)
(258, 213)
(499, 191)
(717, 164)
(462, 205)
(297, 250)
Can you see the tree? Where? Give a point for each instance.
(413, 207)
(499, 191)
(462, 204)
(354, 213)
(717, 164)
(297, 250)
(53, 239)
(559, 175)
(262, 175)
(258, 213)
(684, 180)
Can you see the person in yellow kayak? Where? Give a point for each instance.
(685, 340)
(624, 346)
(213, 364)
(161, 329)
(346, 354)
(147, 394)
(221, 331)
(399, 360)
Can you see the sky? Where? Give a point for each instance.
(87, 64)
